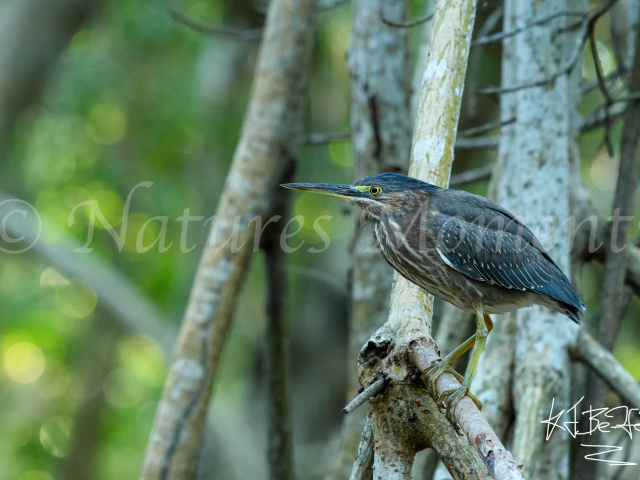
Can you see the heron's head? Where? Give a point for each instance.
(378, 195)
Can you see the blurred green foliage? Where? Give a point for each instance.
(138, 97)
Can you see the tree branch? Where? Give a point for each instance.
(472, 143)
(266, 147)
(368, 392)
(364, 456)
(403, 347)
(592, 353)
(469, 132)
(475, 60)
(381, 130)
(470, 176)
(408, 24)
(323, 138)
(497, 37)
(585, 26)
(225, 33)
(612, 296)
(603, 88)
(278, 353)
(615, 263)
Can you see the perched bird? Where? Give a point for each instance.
(461, 248)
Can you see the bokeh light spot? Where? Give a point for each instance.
(121, 389)
(110, 205)
(55, 435)
(106, 124)
(24, 362)
(604, 172)
(142, 357)
(341, 152)
(52, 278)
(56, 380)
(76, 299)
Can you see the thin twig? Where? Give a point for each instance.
(463, 143)
(615, 75)
(502, 35)
(407, 24)
(585, 25)
(367, 393)
(472, 143)
(469, 132)
(627, 98)
(473, 175)
(226, 33)
(475, 61)
(330, 4)
(597, 119)
(603, 88)
(322, 138)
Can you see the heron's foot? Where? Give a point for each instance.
(453, 397)
(431, 374)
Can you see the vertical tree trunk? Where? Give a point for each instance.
(404, 343)
(494, 376)
(266, 147)
(612, 305)
(381, 135)
(535, 185)
(277, 357)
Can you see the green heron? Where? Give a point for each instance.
(461, 248)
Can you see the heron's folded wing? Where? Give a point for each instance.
(490, 255)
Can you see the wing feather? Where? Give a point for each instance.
(500, 257)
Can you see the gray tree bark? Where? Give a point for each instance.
(404, 342)
(532, 176)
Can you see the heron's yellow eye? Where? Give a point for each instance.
(375, 190)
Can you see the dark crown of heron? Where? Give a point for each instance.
(386, 194)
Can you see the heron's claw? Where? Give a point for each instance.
(431, 374)
(453, 397)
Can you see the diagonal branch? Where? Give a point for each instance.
(497, 37)
(592, 353)
(225, 33)
(267, 146)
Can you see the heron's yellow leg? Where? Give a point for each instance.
(456, 395)
(431, 374)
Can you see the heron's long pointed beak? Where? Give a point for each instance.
(344, 192)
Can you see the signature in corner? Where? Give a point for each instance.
(596, 419)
